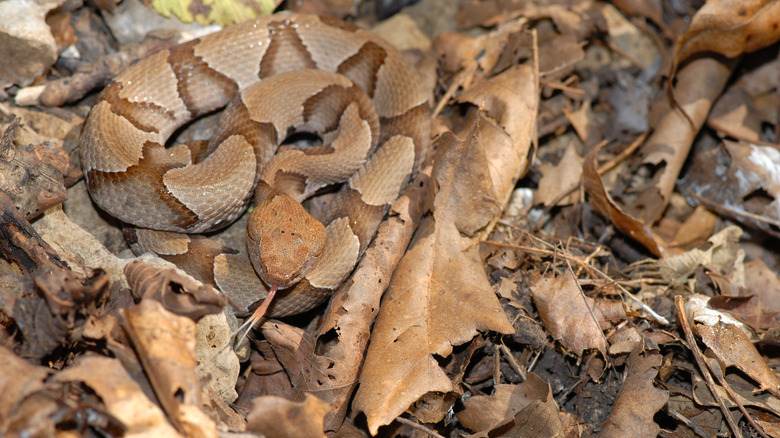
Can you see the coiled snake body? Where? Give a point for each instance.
(277, 76)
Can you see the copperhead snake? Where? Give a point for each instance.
(275, 76)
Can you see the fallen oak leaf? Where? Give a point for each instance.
(439, 296)
(439, 292)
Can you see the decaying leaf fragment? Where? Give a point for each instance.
(32, 169)
(54, 311)
(745, 184)
(515, 404)
(559, 178)
(177, 293)
(722, 254)
(742, 386)
(18, 381)
(568, 314)
(294, 348)
(277, 417)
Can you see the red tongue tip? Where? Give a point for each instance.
(258, 313)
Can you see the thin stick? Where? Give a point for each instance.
(722, 380)
(712, 205)
(695, 427)
(513, 363)
(678, 303)
(418, 426)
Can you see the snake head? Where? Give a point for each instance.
(283, 240)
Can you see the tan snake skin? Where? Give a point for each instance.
(280, 75)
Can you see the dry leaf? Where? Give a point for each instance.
(55, 310)
(510, 101)
(582, 122)
(730, 27)
(721, 255)
(638, 401)
(484, 414)
(696, 229)
(566, 313)
(439, 296)
(744, 388)
(746, 185)
(699, 83)
(177, 293)
(123, 397)
(540, 419)
(276, 417)
(635, 45)
(558, 56)
(732, 347)
(294, 348)
(763, 285)
(735, 115)
(354, 306)
(557, 178)
(18, 381)
(166, 347)
(32, 169)
(650, 9)
(602, 202)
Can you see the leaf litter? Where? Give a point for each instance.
(591, 248)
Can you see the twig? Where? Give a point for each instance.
(562, 87)
(718, 372)
(712, 205)
(678, 303)
(513, 363)
(419, 427)
(539, 251)
(694, 427)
